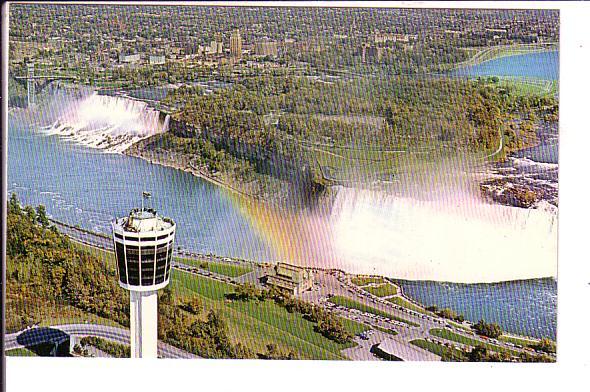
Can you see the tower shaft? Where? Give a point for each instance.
(144, 324)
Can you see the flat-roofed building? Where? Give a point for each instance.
(290, 279)
(129, 58)
(157, 59)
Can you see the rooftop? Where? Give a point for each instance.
(143, 220)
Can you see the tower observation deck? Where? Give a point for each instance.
(143, 247)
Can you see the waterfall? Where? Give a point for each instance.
(166, 123)
(465, 240)
(108, 123)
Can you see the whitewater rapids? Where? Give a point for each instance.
(464, 241)
(108, 123)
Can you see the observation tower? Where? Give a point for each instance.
(143, 247)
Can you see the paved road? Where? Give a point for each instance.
(326, 284)
(335, 284)
(54, 333)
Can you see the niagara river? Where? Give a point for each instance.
(66, 157)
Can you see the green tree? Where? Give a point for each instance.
(42, 216)
(491, 330)
(546, 345)
(30, 213)
(193, 305)
(13, 204)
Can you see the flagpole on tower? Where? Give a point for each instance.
(145, 195)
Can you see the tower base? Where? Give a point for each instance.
(144, 324)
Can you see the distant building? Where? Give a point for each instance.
(380, 38)
(129, 58)
(216, 45)
(290, 279)
(266, 48)
(157, 59)
(235, 44)
(371, 53)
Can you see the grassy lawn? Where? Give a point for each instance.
(389, 331)
(382, 291)
(352, 304)
(519, 341)
(360, 281)
(221, 268)
(38, 350)
(457, 325)
(256, 324)
(407, 304)
(450, 335)
(529, 86)
(439, 349)
(373, 162)
(21, 352)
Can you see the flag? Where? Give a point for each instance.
(147, 195)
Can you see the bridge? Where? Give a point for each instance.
(32, 82)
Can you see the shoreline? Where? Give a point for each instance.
(343, 276)
(190, 170)
(473, 61)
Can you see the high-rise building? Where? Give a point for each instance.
(143, 247)
(235, 44)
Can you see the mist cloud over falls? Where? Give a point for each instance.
(432, 225)
(106, 122)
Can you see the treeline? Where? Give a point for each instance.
(326, 323)
(187, 325)
(116, 350)
(482, 354)
(415, 110)
(43, 267)
(446, 313)
(269, 125)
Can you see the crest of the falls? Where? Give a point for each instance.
(109, 123)
(465, 240)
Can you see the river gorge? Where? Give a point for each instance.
(66, 155)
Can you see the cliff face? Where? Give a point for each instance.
(262, 172)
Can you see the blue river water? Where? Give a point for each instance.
(526, 307)
(541, 65)
(87, 187)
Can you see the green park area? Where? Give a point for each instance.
(21, 352)
(258, 323)
(363, 281)
(407, 304)
(383, 290)
(255, 323)
(520, 341)
(447, 353)
(352, 304)
(455, 337)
